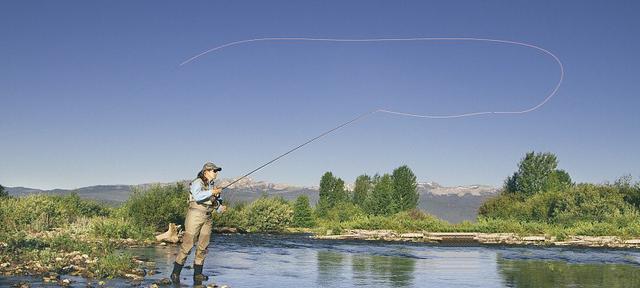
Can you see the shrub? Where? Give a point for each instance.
(112, 265)
(594, 203)
(235, 217)
(344, 211)
(120, 228)
(157, 206)
(269, 215)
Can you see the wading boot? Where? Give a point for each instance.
(198, 277)
(175, 275)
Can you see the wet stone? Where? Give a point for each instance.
(163, 281)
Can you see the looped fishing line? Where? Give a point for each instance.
(360, 117)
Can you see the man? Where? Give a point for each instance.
(203, 200)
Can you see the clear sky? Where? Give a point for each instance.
(91, 93)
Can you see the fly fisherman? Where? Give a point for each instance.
(203, 200)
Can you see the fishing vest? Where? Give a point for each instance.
(207, 186)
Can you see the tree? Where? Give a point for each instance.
(630, 191)
(560, 180)
(535, 174)
(332, 191)
(362, 188)
(327, 181)
(302, 216)
(3, 192)
(405, 189)
(379, 201)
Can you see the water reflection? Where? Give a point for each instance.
(365, 270)
(537, 273)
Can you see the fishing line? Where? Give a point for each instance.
(400, 113)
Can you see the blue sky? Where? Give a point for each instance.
(91, 93)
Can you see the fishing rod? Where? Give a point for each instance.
(360, 117)
(369, 113)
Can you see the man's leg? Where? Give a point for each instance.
(201, 249)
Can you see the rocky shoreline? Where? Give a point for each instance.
(484, 238)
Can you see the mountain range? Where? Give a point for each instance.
(453, 204)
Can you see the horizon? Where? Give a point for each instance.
(94, 92)
(230, 179)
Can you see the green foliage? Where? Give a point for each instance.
(589, 202)
(537, 173)
(332, 191)
(560, 180)
(584, 209)
(157, 206)
(67, 243)
(405, 190)
(235, 217)
(3, 192)
(42, 212)
(630, 192)
(363, 187)
(269, 215)
(120, 228)
(302, 213)
(379, 201)
(344, 211)
(113, 265)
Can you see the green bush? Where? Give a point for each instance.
(42, 212)
(157, 206)
(269, 215)
(34, 213)
(113, 265)
(235, 217)
(344, 211)
(120, 228)
(593, 203)
(65, 242)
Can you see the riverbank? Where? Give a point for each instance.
(462, 238)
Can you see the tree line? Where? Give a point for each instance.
(378, 195)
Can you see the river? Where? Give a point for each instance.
(298, 261)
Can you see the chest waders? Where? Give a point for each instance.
(198, 225)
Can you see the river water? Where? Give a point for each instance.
(298, 261)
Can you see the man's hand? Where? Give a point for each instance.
(216, 192)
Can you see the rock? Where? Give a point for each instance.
(533, 238)
(5, 265)
(411, 235)
(139, 272)
(212, 286)
(154, 285)
(64, 282)
(226, 230)
(134, 277)
(171, 235)
(164, 281)
(163, 244)
(50, 277)
(102, 283)
(23, 285)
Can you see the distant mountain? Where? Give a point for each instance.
(453, 204)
